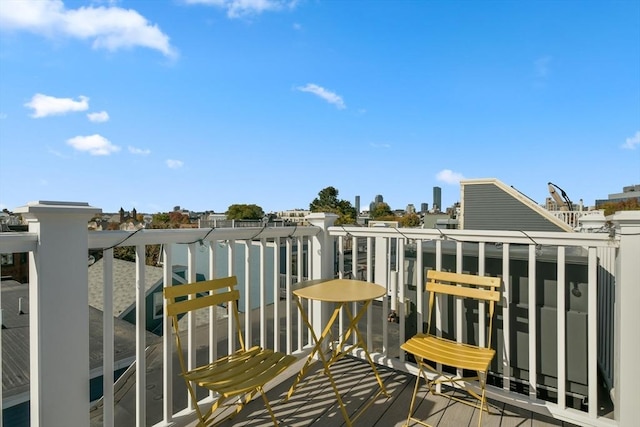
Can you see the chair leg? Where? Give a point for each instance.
(482, 378)
(268, 406)
(421, 373)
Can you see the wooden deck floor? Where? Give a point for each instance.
(314, 403)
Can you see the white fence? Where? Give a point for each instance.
(396, 258)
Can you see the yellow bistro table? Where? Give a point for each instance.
(341, 292)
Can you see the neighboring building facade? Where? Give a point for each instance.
(489, 204)
(14, 266)
(294, 216)
(628, 193)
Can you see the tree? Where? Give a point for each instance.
(160, 218)
(177, 217)
(327, 201)
(624, 205)
(244, 211)
(381, 211)
(410, 220)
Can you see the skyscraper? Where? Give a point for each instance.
(376, 200)
(437, 199)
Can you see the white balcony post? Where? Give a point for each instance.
(322, 263)
(627, 319)
(59, 313)
(322, 266)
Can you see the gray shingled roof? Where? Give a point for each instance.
(124, 284)
(15, 340)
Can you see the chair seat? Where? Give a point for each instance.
(241, 371)
(449, 353)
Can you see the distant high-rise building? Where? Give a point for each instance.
(424, 207)
(357, 205)
(437, 198)
(410, 208)
(376, 200)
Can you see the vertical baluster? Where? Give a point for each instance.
(107, 338)
(592, 327)
(141, 366)
(561, 312)
(506, 318)
(276, 294)
(191, 316)
(533, 348)
(167, 341)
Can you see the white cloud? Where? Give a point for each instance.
(100, 117)
(44, 105)
(109, 27)
(140, 151)
(330, 97)
(96, 145)
(240, 8)
(174, 164)
(633, 142)
(448, 176)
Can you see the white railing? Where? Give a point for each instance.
(396, 258)
(589, 265)
(572, 218)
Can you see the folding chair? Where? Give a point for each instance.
(433, 353)
(235, 378)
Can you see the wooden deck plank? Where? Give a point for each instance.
(390, 411)
(513, 416)
(314, 403)
(455, 413)
(493, 418)
(538, 420)
(360, 393)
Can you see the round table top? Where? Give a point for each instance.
(339, 290)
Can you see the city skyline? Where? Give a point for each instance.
(128, 103)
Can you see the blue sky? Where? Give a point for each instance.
(208, 103)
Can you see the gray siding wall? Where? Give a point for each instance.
(487, 207)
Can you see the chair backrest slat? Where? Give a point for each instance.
(207, 293)
(184, 306)
(463, 291)
(173, 292)
(484, 289)
(469, 279)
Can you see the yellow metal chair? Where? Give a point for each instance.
(235, 378)
(432, 353)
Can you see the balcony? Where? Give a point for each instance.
(566, 354)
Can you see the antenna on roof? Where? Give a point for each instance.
(554, 194)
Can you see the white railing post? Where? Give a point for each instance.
(627, 318)
(59, 313)
(322, 264)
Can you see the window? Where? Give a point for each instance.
(158, 305)
(6, 259)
